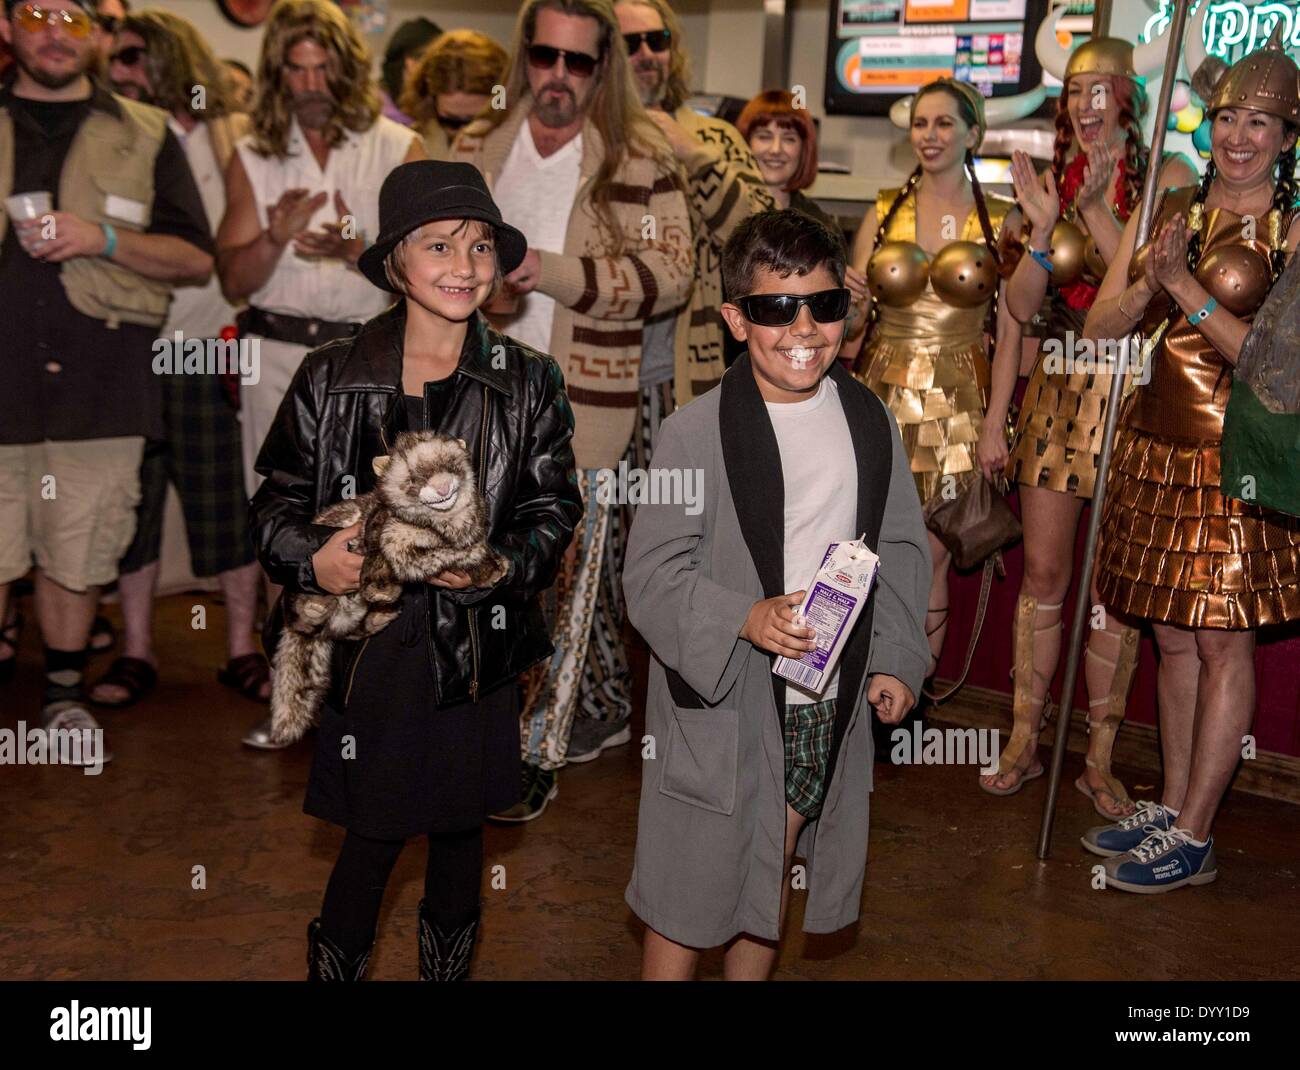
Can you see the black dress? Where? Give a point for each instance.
(410, 768)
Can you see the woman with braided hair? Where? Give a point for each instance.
(1075, 215)
(1205, 569)
(929, 253)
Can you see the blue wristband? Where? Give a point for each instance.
(1194, 318)
(110, 240)
(1044, 261)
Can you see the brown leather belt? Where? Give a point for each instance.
(297, 330)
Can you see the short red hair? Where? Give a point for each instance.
(777, 106)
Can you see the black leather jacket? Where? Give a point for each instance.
(344, 408)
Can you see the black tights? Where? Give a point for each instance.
(452, 878)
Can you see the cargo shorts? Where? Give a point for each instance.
(70, 507)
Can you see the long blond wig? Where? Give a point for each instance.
(615, 109)
(347, 73)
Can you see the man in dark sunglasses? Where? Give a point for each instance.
(574, 163)
(724, 187)
(108, 18)
(797, 455)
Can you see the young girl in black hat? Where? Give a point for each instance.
(420, 734)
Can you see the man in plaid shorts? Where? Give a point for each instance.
(200, 451)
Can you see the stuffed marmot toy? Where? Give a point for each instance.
(424, 516)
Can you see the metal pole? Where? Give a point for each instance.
(1083, 597)
(1101, 18)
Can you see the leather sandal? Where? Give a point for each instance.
(1020, 755)
(133, 675)
(103, 636)
(1102, 732)
(247, 674)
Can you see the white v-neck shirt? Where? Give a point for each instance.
(820, 473)
(536, 193)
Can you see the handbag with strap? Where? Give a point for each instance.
(975, 524)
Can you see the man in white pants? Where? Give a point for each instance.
(303, 201)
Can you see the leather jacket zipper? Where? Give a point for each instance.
(352, 672)
(473, 610)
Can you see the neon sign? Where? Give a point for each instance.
(1232, 27)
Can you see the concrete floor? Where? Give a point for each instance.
(97, 873)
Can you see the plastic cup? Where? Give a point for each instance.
(31, 205)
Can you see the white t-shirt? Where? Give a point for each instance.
(820, 472)
(536, 194)
(201, 311)
(356, 168)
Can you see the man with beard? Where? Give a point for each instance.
(160, 59)
(103, 219)
(578, 166)
(725, 187)
(302, 203)
(682, 349)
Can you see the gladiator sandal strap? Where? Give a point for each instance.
(1103, 730)
(1028, 712)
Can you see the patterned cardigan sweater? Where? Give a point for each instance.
(602, 301)
(725, 188)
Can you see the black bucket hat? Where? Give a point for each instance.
(420, 192)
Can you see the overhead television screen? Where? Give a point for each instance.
(879, 50)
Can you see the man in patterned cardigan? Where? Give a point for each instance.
(576, 164)
(724, 188)
(682, 349)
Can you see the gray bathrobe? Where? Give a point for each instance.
(711, 830)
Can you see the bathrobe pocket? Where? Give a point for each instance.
(700, 757)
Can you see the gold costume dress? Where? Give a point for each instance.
(1058, 436)
(1057, 442)
(1174, 549)
(928, 360)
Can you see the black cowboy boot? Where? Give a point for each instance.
(326, 962)
(444, 956)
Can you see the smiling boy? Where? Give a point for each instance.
(745, 767)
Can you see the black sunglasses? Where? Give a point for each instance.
(454, 122)
(780, 310)
(658, 40)
(129, 57)
(579, 64)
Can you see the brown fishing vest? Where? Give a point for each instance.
(107, 177)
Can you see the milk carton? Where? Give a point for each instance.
(834, 600)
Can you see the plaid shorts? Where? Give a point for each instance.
(808, 728)
(203, 458)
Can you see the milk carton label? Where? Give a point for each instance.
(832, 606)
